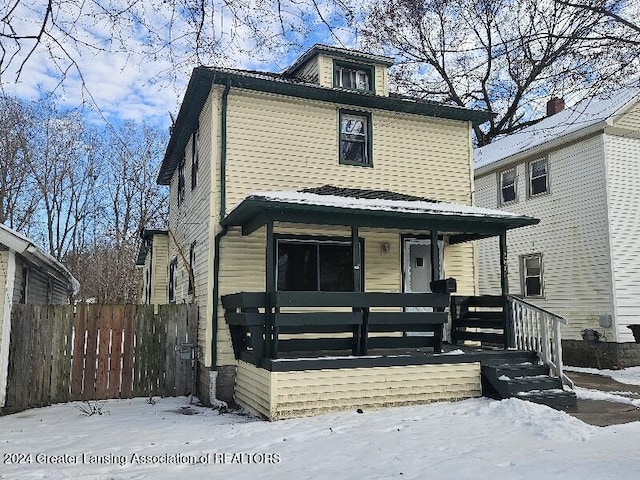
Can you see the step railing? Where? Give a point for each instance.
(538, 330)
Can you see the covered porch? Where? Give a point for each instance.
(279, 332)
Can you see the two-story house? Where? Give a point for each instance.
(310, 211)
(577, 170)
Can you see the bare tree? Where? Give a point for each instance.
(506, 56)
(620, 27)
(18, 195)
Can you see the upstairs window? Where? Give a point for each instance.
(355, 138)
(195, 157)
(192, 265)
(181, 183)
(531, 275)
(508, 186)
(538, 177)
(352, 77)
(173, 280)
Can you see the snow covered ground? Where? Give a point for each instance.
(629, 375)
(472, 439)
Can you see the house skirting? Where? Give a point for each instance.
(277, 395)
(596, 354)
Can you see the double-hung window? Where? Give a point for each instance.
(531, 275)
(316, 266)
(181, 183)
(192, 266)
(355, 138)
(353, 76)
(173, 280)
(508, 184)
(538, 177)
(195, 158)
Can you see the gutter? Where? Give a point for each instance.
(225, 229)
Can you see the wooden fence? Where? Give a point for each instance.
(60, 353)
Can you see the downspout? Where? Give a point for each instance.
(223, 232)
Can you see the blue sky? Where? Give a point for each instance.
(127, 73)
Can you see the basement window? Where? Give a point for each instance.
(531, 275)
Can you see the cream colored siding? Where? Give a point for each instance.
(311, 392)
(158, 261)
(630, 120)
(4, 258)
(189, 222)
(298, 142)
(623, 170)
(382, 81)
(571, 236)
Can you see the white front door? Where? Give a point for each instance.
(417, 269)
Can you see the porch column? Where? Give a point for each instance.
(435, 256)
(270, 289)
(360, 332)
(357, 260)
(504, 287)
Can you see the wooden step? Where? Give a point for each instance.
(522, 370)
(495, 338)
(482, 316)
(528, 384)
(551, 398)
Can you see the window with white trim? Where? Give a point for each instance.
(352, 77)
(531, 275)
(508, 186)
(181, 183)
(538, 177)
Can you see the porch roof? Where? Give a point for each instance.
(371, 208)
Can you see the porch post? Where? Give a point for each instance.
(360, 332)
(504, 287)
(270, 289)
(435, 256)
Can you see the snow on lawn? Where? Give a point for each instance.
(472, 439)
(629, 375)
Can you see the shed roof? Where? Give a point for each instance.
(367, 210)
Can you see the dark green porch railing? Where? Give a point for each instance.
(268, 326)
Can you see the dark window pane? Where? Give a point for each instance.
(539, 185)
(533, 286)
(297, 267)
(508, 194)
(354, 151)
(336, 268)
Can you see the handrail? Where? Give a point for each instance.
(521, 300)
(538, 330)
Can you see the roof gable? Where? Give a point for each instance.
(582, 119)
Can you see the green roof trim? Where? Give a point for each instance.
(339, 54)
(203, 78)
(255, 211)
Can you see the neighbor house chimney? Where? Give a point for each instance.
(555, 105)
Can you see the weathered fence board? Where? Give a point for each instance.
(93, 352)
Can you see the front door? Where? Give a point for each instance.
(417, 268)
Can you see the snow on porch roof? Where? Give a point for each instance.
(369, 208)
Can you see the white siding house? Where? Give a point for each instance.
(577, 171)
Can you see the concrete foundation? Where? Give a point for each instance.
(597, 354)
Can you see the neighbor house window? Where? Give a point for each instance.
(355, 138)
(195, 158)
(531, 275)
(353, 76)
(173, 277)
(181, 183)
(317, 266)
(508, 186)
(192, 266)
(538, 177)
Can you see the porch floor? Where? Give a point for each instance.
(451, 354)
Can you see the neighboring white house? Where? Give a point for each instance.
(578, 170)
(27, 275)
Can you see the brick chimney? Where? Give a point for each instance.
(555, 105)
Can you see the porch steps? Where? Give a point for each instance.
(526, 381)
